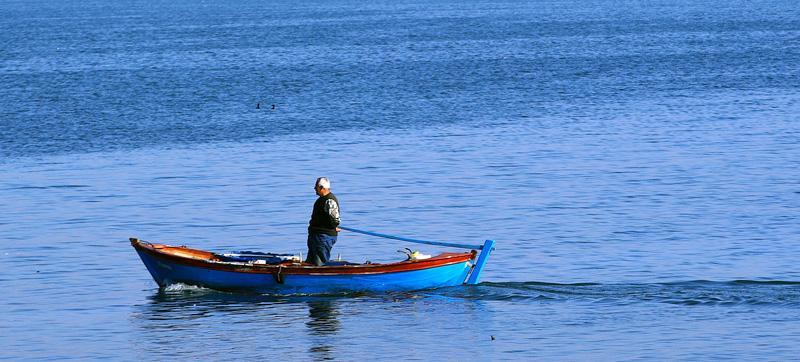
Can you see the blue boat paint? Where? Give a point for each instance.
(167, 272)
(487, 248)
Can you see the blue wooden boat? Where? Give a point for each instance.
(281, 274)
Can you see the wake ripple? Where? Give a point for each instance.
(698, 292)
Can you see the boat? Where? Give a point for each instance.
(286, 274)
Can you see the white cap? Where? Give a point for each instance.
(324, 182)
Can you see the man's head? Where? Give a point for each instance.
(323, 186)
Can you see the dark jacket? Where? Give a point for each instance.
(325, 216)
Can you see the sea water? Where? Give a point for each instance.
(636, 163)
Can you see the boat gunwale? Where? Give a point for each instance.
(292, 268)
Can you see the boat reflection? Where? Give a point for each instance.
(180, 319)
(184, 322)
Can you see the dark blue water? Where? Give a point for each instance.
(635, 161)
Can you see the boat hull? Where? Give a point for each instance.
(167, 268)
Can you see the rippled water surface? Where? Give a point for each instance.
(636, 163)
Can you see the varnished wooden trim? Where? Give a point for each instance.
(207, 260)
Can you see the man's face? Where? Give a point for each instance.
(318, 190)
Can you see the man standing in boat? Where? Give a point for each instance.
(323, 227)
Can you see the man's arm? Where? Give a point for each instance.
(332, 208)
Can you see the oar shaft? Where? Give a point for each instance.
(438, 243)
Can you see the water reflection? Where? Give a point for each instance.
(184, 320)
(322, 317)
(322, 323)
(201, 303)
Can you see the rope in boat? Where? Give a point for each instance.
(439, 243)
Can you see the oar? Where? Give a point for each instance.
(438, 243)
(485, 249)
